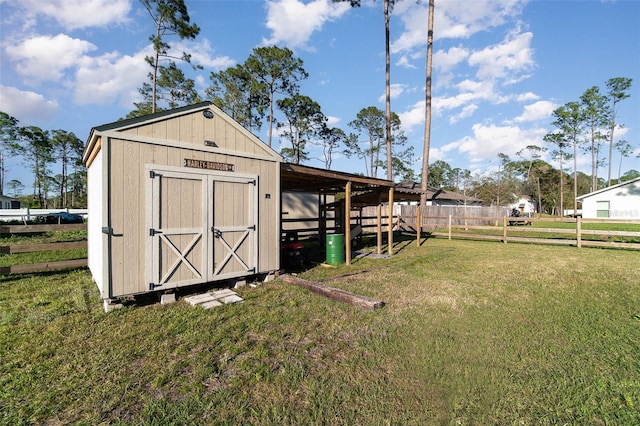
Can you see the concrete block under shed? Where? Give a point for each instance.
(214, 299)
(167, 298)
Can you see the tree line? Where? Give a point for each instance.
(579, 127)
(265, 89)
(40, 150)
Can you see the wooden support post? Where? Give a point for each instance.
(379, 232)
(322, 219)
(347, 221)
(579, 231)
(449, 227)
(418, 225)
(504, 229)
(390, 238)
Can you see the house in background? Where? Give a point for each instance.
(525, 205)
(436, 196)
(621, 201)
(8, 202)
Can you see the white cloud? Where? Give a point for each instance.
(470, 92)
(332, 121)
(453, 19)
(292, 22)
(45, 58)
(110, 78)
(413, 117)
(536, 111)
(404, 62)
(396, 90)
(525, 97)
(202, 54)
(445, 61)
(75, 14)
(504, 60)
(467, 111)
(488, 140)
(27, 106)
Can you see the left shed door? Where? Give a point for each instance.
(176, 226)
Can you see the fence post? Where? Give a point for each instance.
(504, 229)
(418, 225)
(449, 227)
(379, 229)
(579, 231)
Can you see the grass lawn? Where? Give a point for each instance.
(472, 333)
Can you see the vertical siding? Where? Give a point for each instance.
(133, 193)
(118, 179)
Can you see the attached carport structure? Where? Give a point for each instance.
(358, 190)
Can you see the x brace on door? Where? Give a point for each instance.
(232, 250)
(181, 257)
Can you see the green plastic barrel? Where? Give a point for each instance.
(335, 249)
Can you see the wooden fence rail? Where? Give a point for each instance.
(29, 248)
(575, 237)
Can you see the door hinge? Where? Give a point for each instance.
(154, 232)
(153, 174)
(107, 230)
(216, 232)
(252, 227)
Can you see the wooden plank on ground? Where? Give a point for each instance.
(43, 267)
(27, 248)
(333, 293)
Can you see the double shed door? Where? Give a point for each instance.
(202, 227)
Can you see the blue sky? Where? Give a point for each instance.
(500, 67)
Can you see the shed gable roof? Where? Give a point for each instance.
(150, 119)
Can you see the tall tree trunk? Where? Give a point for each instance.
(388, 91)
(561, 188)
(270, 116)
(575, 177)
(594, 161)
(427, 110)
(156, 65)
(613, 125)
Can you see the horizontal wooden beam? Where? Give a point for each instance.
(25, 229)
(333, 293)
(24, 248)
(43, 267)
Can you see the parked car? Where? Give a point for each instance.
(63, 217)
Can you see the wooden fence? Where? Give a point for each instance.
(514, 229)
(28, 248)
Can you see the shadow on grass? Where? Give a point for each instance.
(314, 251)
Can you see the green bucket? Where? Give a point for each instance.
(335, 249)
